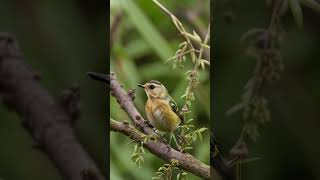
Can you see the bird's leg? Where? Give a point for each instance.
(175, 140)
(148, 124)
(158, 136)
(151, 137)
(156, 131)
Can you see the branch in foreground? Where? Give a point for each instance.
(162, 150)
(45, 120)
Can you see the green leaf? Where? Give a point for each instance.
(160, 168)
(193, 56)
(202, 64)
(141, 158)
(183, 44)
(137, 161)
(194, 137)
(196, 35)
(235, 109)
(199, 135)
(135, 148)
(145, 140)
(171, 58)
(142, 150)
(190, 120)
(134, 156)
(131, 142)
(188, 148)
(311, 4)
(137, 48)
(178, 176)
(297, 12)
(147, 30)
(188, 136)
(249, 160)
(202, 129)
(177, 24)
(252, 33)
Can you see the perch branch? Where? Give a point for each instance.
(160, 149)
(46, 121)
(163, 151)
(126, 103)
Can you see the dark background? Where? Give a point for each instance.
(61, 40)
(288, 147)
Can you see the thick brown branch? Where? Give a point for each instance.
(126, 103)
(162, 150)
(45, 120)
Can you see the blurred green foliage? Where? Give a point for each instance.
(287, 147)
(144, 39)
(61, 40)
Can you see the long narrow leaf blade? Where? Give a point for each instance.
(147, 30)
(311, 4)
(296, 12)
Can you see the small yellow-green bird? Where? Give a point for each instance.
(161, 109)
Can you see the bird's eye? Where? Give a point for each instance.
(151, 86)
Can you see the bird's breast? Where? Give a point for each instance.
(161, 116)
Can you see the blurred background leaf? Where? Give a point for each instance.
(287, 147)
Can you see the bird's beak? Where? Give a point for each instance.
(140, 85)
(99, 77)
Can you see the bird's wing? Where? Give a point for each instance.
(175, 108)
(173, 105)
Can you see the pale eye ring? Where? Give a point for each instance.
(151, 86)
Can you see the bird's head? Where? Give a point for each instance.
(155, 89)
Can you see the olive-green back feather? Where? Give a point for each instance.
(175, 108)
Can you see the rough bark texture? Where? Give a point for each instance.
(45, 120)
(163, 151)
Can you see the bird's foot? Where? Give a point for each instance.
(148, 124)
(172, 136)
(150, 137)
